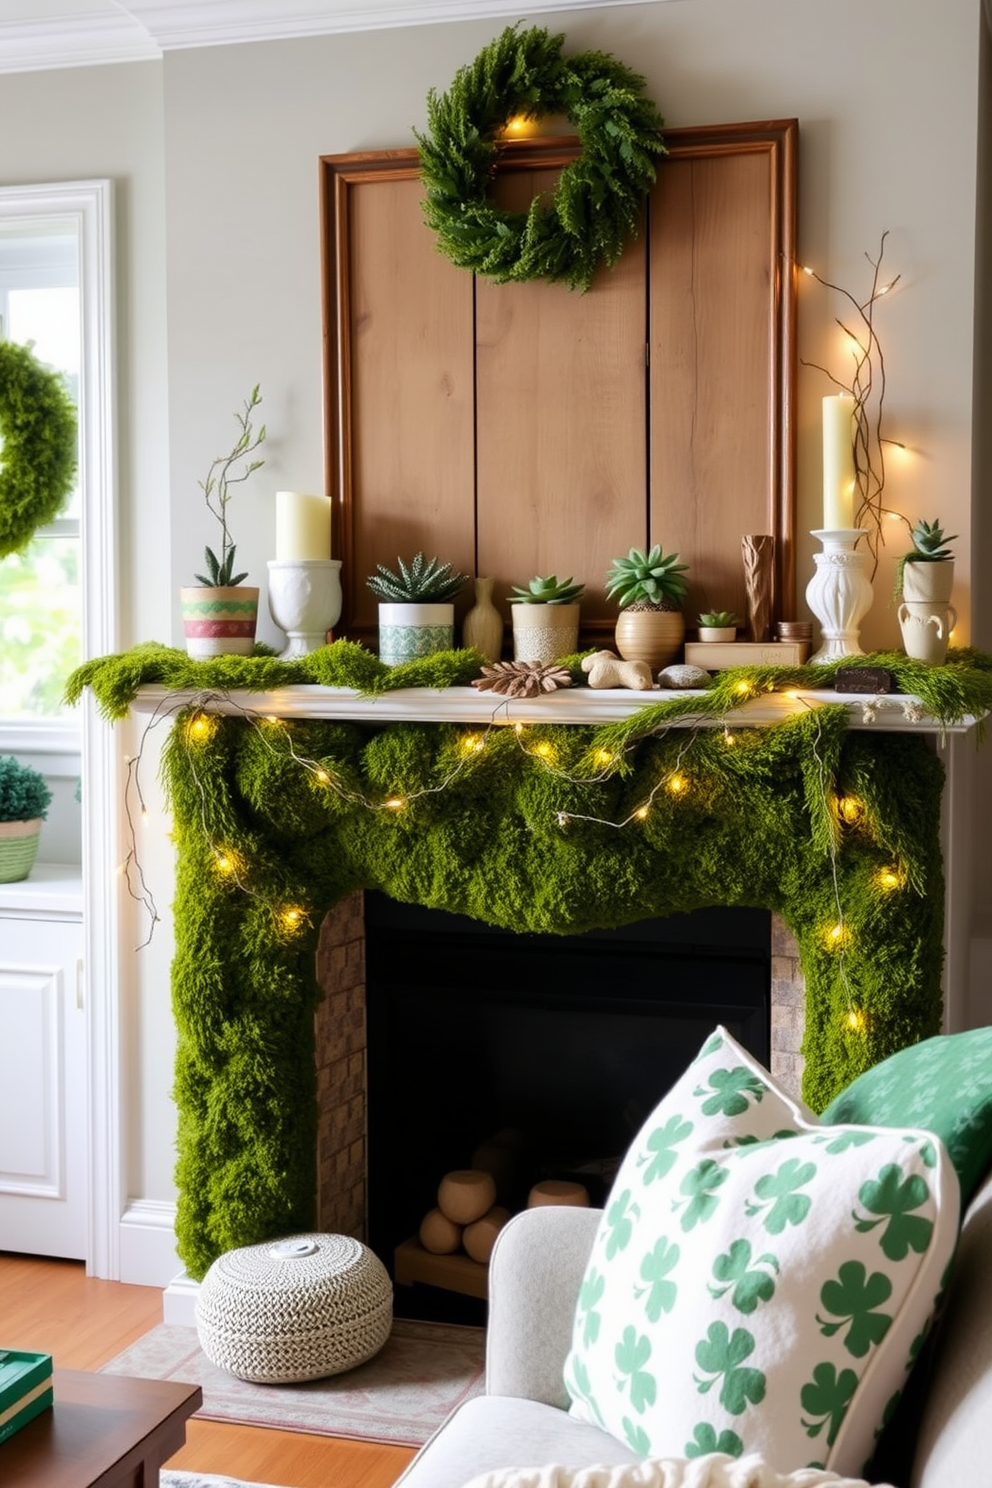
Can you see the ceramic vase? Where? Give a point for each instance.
(926, 629)
(650, 635)
(407, 631)
(304, 601)
(544, 632)
(483, 625)
(219, 622)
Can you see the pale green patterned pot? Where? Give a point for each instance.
(219, 622)
(18, 848)
(407, 631)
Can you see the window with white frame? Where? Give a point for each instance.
(40, 588)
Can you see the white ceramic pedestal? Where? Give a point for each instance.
(839, 593)
(304, 601)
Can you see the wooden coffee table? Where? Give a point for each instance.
(103, 1431)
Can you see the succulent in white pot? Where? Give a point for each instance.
(416, 607)
(545, 618)
(926, 573)
(24, 801)
(717, 625)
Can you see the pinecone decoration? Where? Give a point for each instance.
(522, 679)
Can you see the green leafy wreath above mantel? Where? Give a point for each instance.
(599, 197)
(37, 446)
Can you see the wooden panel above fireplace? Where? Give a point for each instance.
(522, 428)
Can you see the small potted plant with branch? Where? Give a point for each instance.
(220, 612)
(24, 802)
(650, 589)
(545, 618)
(416, 607)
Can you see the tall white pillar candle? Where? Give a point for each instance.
(303, 526)
(838, 462)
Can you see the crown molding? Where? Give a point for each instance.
(140, 30)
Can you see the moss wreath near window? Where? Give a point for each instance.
(37, 446)
(275, 821)
(599, 198)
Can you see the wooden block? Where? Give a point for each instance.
(458, 1273)
(863, 679)
(716, 656)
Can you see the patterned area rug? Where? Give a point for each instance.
(399, 1397)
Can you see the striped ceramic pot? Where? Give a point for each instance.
(219, 622)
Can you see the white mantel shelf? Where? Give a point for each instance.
(888, 712)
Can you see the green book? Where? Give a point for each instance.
(25, 1388)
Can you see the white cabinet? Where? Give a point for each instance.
(43, 1094)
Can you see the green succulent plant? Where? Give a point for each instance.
(651, 578)
(550, 590)
(24, 792)
(421, 581)
(929, 543)
(217, 493)
(717, 619)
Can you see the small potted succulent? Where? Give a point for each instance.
(24, 802)
(220, 613)
(650, 589)
(416, 607)
(926, 573)
(545, 618)
(717, 625)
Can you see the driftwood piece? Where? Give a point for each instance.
(605, 669)
(758, 554)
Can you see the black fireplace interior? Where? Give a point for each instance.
(563, 1044)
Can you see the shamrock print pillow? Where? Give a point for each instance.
(759, 1282)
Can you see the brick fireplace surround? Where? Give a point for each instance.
(341, 1055)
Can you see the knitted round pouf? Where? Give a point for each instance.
(294, 1309)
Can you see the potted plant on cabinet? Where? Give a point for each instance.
(416, 607)
(545, 618)
(220, 612)
(717, 625)
(926, 573)
(24, 802)
(649, 588)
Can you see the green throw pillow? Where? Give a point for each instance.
(759, 1283)
(943, 1084)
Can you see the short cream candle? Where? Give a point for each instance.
(303, 526)
(838, 462)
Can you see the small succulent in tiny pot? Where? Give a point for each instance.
(717, 625)
(545, 618)
(926, 573)
(650, 588)
(416, 607)
(24, 801)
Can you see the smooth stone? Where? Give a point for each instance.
(683, 676)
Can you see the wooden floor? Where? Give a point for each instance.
(53, 1307)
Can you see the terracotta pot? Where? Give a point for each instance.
(928, 583)
(219, 622)
(650, 635)
(544, 632)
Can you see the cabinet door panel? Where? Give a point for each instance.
(406, 461)
(715, 364)
(560, 380)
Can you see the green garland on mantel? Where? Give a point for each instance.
(798, 818)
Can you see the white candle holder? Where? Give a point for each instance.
(304, 601)
(839, 593)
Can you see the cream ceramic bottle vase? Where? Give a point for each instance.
(483, 625)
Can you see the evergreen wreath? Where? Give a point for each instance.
(37, 446)
(597, 203)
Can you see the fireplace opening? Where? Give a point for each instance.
(552, 1049)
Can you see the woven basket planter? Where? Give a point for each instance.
(294, 1309)
(18, 848)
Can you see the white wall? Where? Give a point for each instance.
(217, 152)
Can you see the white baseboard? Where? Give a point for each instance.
(179, 1301)
(148, 1243)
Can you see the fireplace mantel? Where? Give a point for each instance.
(889, 712)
